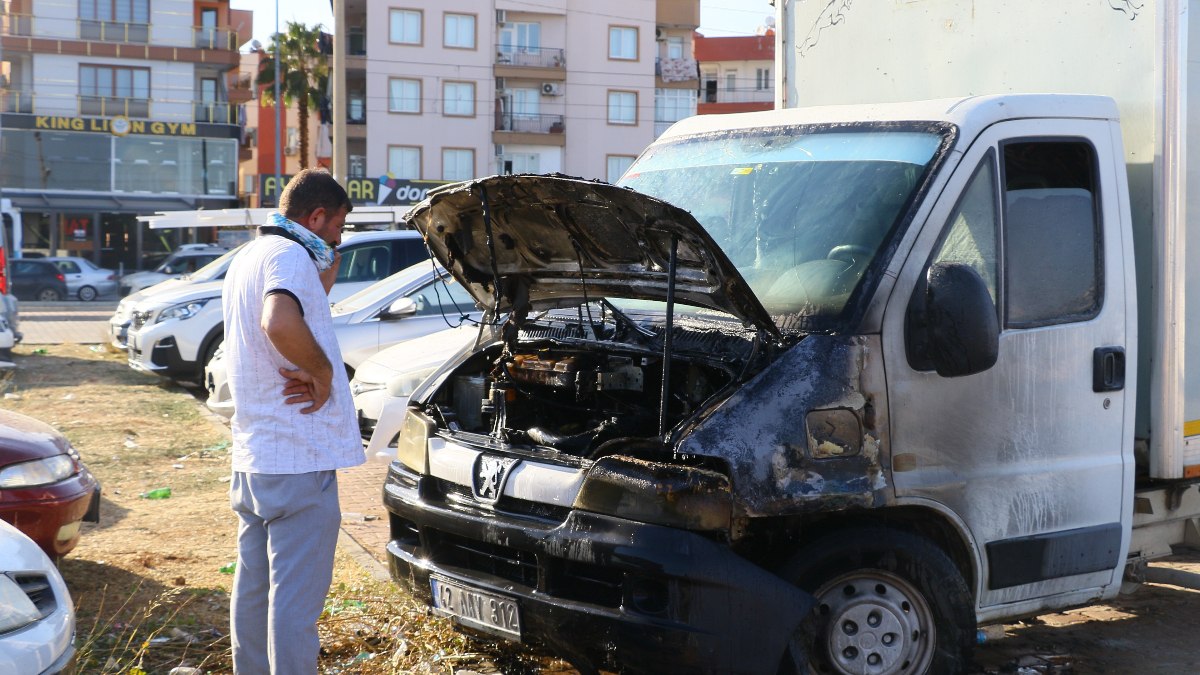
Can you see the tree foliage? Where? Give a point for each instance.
(303, 74)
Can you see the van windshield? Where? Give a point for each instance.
(801, 212)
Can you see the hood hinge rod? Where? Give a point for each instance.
(666, 376)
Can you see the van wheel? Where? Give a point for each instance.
(48, 295)
(87, 294)
(886, 602)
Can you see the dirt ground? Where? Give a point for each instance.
(151, 594)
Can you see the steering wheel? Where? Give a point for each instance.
(851, 253)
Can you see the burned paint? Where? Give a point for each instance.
(760, 431)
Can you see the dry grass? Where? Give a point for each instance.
(146, 581)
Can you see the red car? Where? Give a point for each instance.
(45, 490)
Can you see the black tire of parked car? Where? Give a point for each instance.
(211, 345)
(47, 294)
(885, 598)
(87, 294)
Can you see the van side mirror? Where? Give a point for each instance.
(399, 309)
(961, 333)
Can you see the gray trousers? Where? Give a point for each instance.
(287, 533)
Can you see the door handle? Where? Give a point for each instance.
(1108, 369)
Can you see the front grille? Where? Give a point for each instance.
(460, 494)
(499, 561)
(37, 588)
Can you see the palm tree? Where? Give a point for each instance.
(303, 73)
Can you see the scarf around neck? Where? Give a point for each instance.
(319, 251)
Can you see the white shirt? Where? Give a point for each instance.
(270, 436)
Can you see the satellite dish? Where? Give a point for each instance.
(769, 22)
(255, 46)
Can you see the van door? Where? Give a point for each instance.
(1030, 455)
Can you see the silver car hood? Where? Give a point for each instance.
(558, 240)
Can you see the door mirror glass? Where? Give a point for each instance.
(962, 331)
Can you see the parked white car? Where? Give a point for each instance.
(85, 280)
(37, 617)
(406, 305)
(185, 260)
(176, 332)
(382, 384)
(118, 325)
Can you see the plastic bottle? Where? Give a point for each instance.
(993, 632)
(158, 493)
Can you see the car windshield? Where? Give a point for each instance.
(384, 288)
(801, 212)
(215, 269)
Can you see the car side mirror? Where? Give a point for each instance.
(960, 326)
(399, 309)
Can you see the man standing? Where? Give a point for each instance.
(294, 426)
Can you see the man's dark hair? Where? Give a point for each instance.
(310, 190)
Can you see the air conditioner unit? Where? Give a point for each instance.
(500, 84)
(291, 149)
(499, 150)
(501, 17)
(658, 35)
(551, 89)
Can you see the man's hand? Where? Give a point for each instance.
(302, 387)
(330, 275)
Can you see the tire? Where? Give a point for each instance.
(209, 350)
(87, 294)
(887, 602)
(48, 295)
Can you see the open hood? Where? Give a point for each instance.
(558, 240)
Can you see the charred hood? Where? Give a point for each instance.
(522, 242)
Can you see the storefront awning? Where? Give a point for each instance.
(109, 203)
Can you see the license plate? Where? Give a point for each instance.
(484, 611)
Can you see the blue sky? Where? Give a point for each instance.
(718, 18)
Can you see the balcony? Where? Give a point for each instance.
(214, 38)
(676, 70)
(108, 106)
(16, 24)
(530, 124)
(15, 101)
(749, 94)
(530, 57)
(114, 31)
(215, 113)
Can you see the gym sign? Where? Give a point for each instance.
(119, 126)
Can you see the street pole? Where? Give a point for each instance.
(340, 37)
(278, 111)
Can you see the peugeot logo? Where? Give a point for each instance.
(490, 475)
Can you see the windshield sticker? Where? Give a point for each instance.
(742, 171)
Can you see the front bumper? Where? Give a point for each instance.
(154, 350)
(118, 331)
(51, 515)
(600, 591)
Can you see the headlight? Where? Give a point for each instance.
(37, 472)
(184, 310)
(404, 384)
(16, 609)
(413, 443)
(664, 494)
(358, 388)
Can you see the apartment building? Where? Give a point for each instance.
(114, 108)
(454, 89)
(735, 73)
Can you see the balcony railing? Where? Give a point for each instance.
(539, 57)
(107, 106)
(676, 70)
(214, 38)
(749, 94)
(14, 101)
(16, 24)
(114, 31)
(216, 113)
(530, 124)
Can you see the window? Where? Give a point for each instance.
(971, 235)
(114, 20)
(518, 163)
(674, 47)
(404, 161)
(459, 31)
(672, 105)
(206, 37)
(458, 164)
(622, 43)
(458, 99)
(1052, 268)
(762, 78)
(617, 164)
(520, 36)
(405, 27)
(445, 296)
(370, 262)
(404, 96)
(731, 80)
(68, 267)
(622, 107)
(114, 90)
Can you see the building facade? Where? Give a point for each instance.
(455, 89)
(735, 73)
(113, 109)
